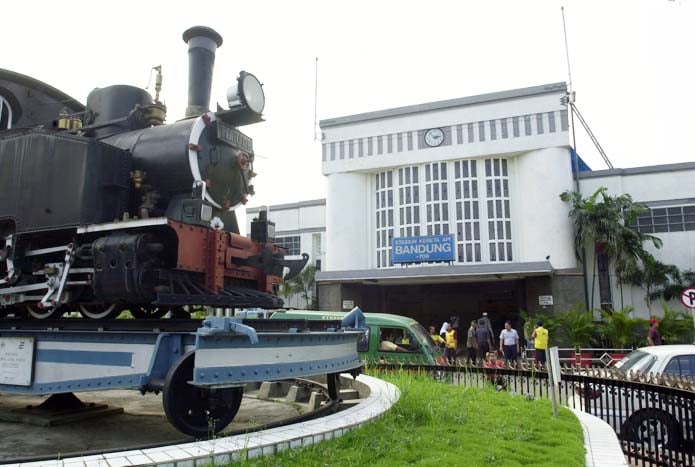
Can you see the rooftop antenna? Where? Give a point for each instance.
(569, 100)
(317, 133)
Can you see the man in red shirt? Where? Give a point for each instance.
(654, 336)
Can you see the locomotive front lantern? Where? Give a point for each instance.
(248, 92)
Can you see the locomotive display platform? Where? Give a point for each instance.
(141, 424)
(200, 366)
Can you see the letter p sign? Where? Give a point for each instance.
(688, 298)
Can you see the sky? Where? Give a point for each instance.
(631, 65)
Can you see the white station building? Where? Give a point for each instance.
(300, 228)
(479, 177)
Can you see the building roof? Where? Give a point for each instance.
(438, 105)
(457, 273)
(639, 170)
(283, 207)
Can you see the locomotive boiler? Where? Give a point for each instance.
(104, 207)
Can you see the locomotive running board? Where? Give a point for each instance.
(186, 292)
(229, 297)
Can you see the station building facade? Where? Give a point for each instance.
(488, 170)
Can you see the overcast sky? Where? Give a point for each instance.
(632, 64)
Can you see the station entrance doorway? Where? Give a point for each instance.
(431, 304)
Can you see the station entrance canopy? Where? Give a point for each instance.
(437, 274)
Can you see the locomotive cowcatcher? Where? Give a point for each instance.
(104, 207)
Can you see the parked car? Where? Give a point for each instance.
(652, 415)
(410, 341)
(671, 360)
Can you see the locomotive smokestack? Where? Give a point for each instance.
(202, 45)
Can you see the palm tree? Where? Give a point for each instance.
(302, 284)
(651, 275)
(620, 329)
(607, 222)
(678, 281)
(576, 328)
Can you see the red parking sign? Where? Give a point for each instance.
(688, 298)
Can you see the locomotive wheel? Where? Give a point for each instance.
(196, 411)
(45, 313)
(101, 311)
(148, 312)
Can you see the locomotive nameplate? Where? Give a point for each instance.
(16, 360)
(234, 137)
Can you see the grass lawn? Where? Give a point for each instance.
(441, 425)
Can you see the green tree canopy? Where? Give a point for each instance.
(607, 223)
(651, 275)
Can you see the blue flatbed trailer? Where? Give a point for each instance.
(200, 366)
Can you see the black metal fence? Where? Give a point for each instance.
(654, 422)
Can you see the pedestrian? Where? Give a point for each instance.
(387, 343)
(436, 338)
(443, 329)
(484, 339)
(654, 336)
(472, 342)
(540, 341)
(451, 344)
(509, 342)
(485, 321)
(492, 362)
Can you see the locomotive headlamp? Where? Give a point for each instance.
(248, 92)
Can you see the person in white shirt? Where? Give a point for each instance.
(444, 329)
(509, 342)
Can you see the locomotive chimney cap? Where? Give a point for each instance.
(204, 31)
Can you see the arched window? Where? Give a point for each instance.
(5, 114)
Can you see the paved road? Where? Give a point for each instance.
(143, 422)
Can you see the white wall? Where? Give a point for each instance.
(348, 229)
(540, 219)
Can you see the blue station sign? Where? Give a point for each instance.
(427, 248)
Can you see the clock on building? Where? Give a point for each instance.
(434, 137)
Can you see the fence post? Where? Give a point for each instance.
(554, 375)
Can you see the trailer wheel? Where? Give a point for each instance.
(197, 411)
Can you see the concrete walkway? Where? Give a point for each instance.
(600, 441)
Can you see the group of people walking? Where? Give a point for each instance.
(480, 341)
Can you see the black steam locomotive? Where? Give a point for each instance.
(104, 207)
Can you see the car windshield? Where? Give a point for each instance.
(423, 337)
(638, 361)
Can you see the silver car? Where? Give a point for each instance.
(651, 415)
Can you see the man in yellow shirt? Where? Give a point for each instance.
(451, 340)
(540, 342)
(438, 340)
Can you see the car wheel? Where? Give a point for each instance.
(652, 428)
